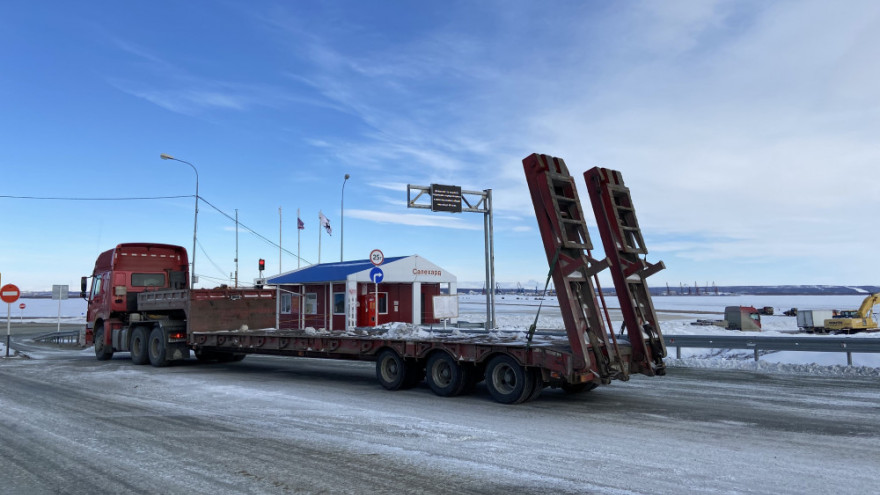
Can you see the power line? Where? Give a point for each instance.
(93, 199)
(252, 231)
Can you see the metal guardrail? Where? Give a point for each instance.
(848, 345)
(67, 337)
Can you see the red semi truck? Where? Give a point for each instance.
(140, 302)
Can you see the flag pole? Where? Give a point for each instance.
(279, 239)
(297, 237)
(320, 213)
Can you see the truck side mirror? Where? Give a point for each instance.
(83, 283)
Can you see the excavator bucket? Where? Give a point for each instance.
(623, 243)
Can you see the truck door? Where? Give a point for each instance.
(98, 296)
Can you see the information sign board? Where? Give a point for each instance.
(445, 198)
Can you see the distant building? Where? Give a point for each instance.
(338, 296)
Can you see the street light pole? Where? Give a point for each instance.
(342, 218)
(192, 277)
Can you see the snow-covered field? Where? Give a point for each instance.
(678, 312)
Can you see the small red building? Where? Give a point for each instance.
(349, 294)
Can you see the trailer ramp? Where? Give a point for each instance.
(567, 245)
(623, 243)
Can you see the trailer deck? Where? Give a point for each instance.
(550, 351)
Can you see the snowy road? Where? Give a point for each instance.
(71, 424)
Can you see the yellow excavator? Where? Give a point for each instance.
(855, 320)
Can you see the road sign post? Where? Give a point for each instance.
(9, 294)
(59, 292)
(453, 199)
(376, 275)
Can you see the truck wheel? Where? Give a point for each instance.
(102, 351)
(156, 348)
(445, 376)
(507, 381)
(138, 346)
(391, 370)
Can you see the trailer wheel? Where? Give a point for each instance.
(391, 370)
(473, 376)
(156, 347)
(205, 356)
(507, 381)
(138, 346)
(577, 388)
(445, 376)
(538, 385)
(229, 357)
(414, 373)
(102, 351)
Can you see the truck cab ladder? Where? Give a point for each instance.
(623, 243)
(567, 245)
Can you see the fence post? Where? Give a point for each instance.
(848, 358)
(756, 354)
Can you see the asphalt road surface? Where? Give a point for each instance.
(71, 424)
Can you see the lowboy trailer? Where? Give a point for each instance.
(141, 303)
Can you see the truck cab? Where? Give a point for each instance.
(123, 272)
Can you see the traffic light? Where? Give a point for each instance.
(262, 264)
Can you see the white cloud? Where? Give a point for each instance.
(413, 219)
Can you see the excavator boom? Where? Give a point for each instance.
(855, 321)
(868, 304)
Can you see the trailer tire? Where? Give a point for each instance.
(507, 381)
(205, 356)
(473, 376)
(415, 373)
(102, 351)
(445, 376)
(156, 348)
(138, 346)
(577, 388)
(229, 357)
(391, 371)
(538, 385)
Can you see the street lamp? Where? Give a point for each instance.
(342, 218)
(192, 277)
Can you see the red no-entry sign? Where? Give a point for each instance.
(22, 306)
(9, 293)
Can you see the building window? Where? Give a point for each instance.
(310, 304)
(339, 303)
(383, 303)
(286, 303)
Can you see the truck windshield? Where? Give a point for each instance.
(148, 280)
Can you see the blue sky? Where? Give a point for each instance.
(747, 131)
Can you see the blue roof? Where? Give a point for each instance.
(325, 272)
